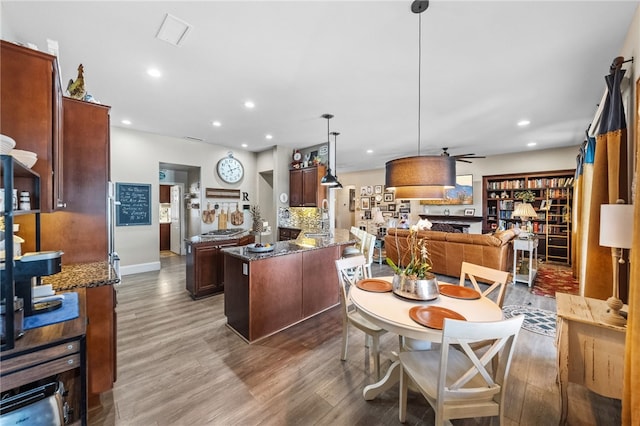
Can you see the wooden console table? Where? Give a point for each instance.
(590, 352)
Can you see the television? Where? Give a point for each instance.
(462, 194)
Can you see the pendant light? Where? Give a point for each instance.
(422, 176)
(328, 179)
(335, 145)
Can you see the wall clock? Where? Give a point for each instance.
(230, 169)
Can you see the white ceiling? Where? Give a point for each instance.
(486, 65)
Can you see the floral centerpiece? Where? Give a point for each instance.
(415, 280)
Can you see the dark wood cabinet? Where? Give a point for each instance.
(31, 114)
(101, 340)
(304, 187)
(165, 236)
(165, 194)
(286, 234)
(319, 290)
(205, 266)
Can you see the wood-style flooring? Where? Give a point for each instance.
(179, 364)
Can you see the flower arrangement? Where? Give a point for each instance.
(419, 265)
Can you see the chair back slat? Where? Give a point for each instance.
(474, 380)
(498, 280)
(350, 270)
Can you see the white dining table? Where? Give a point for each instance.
(391, 313)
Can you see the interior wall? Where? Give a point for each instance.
(135, 157)
(533, 161)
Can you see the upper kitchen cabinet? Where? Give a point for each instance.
(86, 179)
(304, 187)
(31, 114)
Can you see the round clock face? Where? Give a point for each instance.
(297, 156)
(230, 170)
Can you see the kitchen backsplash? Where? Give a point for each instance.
(308, 219)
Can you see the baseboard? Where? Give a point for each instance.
(139, 268)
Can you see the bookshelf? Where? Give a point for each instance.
(553, 192)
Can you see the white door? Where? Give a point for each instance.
(176, 219)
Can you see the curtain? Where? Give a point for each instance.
(583, 207)
(609, 183)
(630, 399)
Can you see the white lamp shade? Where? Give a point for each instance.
(523, 210)
(616, 225)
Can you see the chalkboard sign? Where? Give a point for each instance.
(133, 204)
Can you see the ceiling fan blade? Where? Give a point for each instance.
(463, 161)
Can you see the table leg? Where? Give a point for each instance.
(562, 342)
(391, 378)
(530, 268)
(515, 263)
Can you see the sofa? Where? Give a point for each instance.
(448, 250)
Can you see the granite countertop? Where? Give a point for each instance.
(302, 243)
(82, 275)
(206, 238)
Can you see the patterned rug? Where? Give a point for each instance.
(552, 277)
(536, 320)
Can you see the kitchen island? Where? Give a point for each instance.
(269, 291)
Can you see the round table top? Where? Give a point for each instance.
(391, 312)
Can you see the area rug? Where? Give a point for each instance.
(536, 320)
(552, 277)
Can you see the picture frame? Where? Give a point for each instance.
(363, 191)
(391, 207)
(352, 200)
(367, 214)
(373, 201)
(378, 189)
(365, 203)
(469, 212)
(389, 197)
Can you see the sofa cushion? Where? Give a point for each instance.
(506, 236)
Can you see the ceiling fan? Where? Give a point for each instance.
(460, 157)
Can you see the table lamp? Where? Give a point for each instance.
(524, 211)
(616, 231)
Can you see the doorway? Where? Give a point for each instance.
(179, 186)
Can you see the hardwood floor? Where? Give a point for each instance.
(178, 364)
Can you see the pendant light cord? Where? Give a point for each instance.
(419, 75)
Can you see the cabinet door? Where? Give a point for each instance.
(31, 112)
(86, 164)
(310, 187)
(295, 188)
(207, 265)
(101, 338)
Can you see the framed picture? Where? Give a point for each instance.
(461, 194)
(469, 212)
(373, 201)
(367, 214)
(378, 189)
(389, 197)
(405, 210)
(365, 203)
(369, 190)
(363, 191)
(352, 200)
(391, 207)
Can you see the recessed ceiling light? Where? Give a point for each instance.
(369, 151)
(268, 136)
(244, 145)
(523, 123)
(249, 104)
(216, 123)
(532, 144)
(154, 72)
(127, 122)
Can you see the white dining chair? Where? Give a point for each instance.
(456, 383)
(496, 279)
(369, 246)
(350, 270)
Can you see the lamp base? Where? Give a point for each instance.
(613, 316)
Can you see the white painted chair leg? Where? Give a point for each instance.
(345, 340)
(367, 340)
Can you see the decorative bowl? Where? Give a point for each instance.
(424, 289)
(27, 158)
(6, 144)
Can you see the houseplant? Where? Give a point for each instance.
(415, 280)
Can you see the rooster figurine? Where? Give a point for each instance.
(76, 88)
